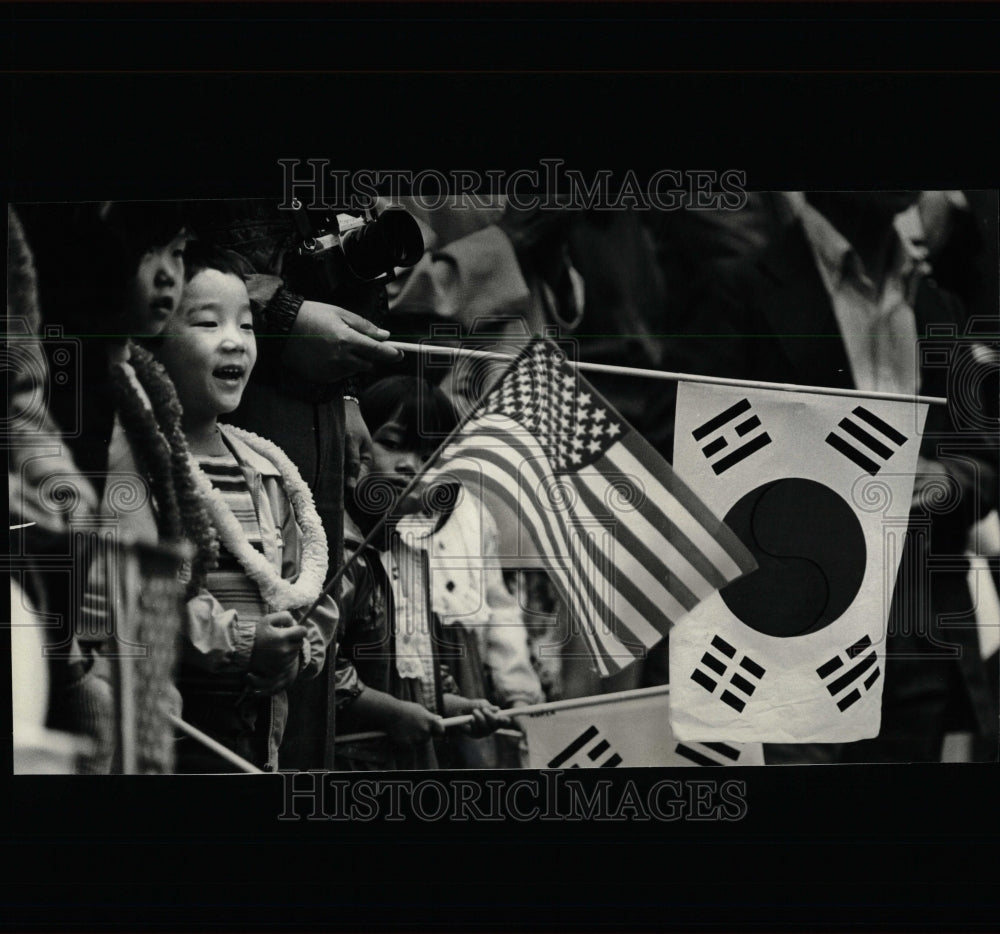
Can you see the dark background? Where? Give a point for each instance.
(185, 100)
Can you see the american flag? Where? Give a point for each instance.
(631, 548)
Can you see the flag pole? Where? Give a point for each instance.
(593, 700)
(379, 734)
(685, 377)
(224, 752)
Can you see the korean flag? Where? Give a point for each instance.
(818, 486)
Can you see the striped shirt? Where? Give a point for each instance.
(229, 583)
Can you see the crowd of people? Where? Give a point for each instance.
(274, 433)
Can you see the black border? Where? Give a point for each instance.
(200, 101)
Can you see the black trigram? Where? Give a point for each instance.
(747, 427)
(846, 687)
(744, 674)
(864, 448)
(591, 738)
(708, 753)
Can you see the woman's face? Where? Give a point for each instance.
(155, 290)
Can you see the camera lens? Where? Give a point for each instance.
(394, 239)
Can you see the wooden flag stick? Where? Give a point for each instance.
(216, 747)
(378, 734)
(591, 700)
(568, 704)
(684, 377)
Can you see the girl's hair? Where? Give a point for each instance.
(422, 409)
(114, 236)
(138, 226)
(87, 254)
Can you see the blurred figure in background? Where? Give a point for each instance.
(104, 271)
(36, 453)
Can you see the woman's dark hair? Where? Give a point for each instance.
(421, 408)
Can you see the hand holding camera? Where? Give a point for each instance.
(346, 259)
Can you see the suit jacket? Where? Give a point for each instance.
(769, 317)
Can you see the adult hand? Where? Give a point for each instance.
(278, 641)
(357, 446)
(329, 343)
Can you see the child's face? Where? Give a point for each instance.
(155, 291)
(396, 461)
(208, 346)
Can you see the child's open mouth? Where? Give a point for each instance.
(229, 374)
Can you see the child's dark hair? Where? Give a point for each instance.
(142, 225)
(421, 408)
(200, 255)
(87, 254)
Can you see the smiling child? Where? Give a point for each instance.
(243, 644)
